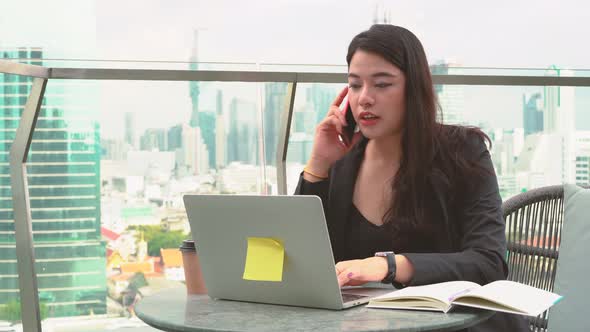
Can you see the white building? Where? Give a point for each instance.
(142, 163)
(540, 162)
(240, 179)
(506, 146)
(193, 155)
(558, 118)
(582, 165)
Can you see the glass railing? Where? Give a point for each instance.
(438, 68)
(111, 159)
(526, 154)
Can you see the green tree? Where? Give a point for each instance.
(11, 311)
(157, 238)
(171, 239)
(148, 231)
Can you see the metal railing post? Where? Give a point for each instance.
(25, 250)
(283, 143)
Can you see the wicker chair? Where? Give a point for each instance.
(534, 220)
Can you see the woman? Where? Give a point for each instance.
(408, 201)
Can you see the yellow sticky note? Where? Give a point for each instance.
(264, 259)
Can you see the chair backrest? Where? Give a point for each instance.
(534, 221)
(571, 280)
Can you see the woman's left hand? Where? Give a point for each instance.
(360, 271)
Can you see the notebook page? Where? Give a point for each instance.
(443, 292)
(524, 298)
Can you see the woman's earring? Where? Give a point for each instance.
(357, 129)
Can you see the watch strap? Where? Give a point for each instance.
(391, 266)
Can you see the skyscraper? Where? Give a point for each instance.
(64, 188)
(207, 125)
(193, 85)
(199, 118)
(548, 156)
(130, 129)
(220, 137)
(175, 138)
(320, 97)
(558, 118)
(558, 108)
(275, 101)
(154, 139)
(242, 136)
(532, 113)
(450, 97)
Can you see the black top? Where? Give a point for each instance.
(364, 237)
(466, 240)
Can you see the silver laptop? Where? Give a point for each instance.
(221, 225)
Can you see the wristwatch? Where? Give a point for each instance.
(391, 267)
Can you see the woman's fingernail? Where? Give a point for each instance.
(349, 275)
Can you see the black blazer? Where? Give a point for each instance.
(472, 242)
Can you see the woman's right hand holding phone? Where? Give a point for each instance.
(327, 145)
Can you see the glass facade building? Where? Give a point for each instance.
(64, 187)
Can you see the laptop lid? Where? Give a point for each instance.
(221, 226)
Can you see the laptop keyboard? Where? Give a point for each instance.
(351, 297)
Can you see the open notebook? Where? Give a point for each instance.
(501, 295)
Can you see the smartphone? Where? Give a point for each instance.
(351, 123)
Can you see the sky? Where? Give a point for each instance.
(501, 34)
(495, 33)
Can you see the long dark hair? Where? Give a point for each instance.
(423, 138)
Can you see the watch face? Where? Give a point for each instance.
(383, 253)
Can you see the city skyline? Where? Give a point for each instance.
(230, 32)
